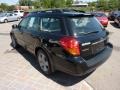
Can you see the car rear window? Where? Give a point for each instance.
(85, 25)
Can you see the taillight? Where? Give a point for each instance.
(71, 45)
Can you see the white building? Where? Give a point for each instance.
(78, 3)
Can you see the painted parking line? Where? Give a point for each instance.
(85, 86)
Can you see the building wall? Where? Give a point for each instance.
(25, 8)
(78, 3)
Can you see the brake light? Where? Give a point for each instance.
(71, 45)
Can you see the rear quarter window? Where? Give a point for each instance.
(51, 25)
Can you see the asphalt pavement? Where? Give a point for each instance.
(19, 71)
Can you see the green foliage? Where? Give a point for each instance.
(58, 3)
(69, 3)
(46, 3)
(25, 2)
(108, 4)
(4, 6)
(52, 3)
(37, 4)
(11, 8)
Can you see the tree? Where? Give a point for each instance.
(53, 3)
(101, 4)
(4, 6)
(93, 4)
(25, 2)
(37, 4)
(108, 4)
(11, 8)
(69, 3)
(58, 3)
(48, 3)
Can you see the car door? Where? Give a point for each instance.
(52, 30)
(31, 34)
(15, 17)
(19, 32)
(10, 17)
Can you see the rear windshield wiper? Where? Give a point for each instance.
(91, 32)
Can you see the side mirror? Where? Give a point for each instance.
(14, 26)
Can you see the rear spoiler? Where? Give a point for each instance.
(82, 15)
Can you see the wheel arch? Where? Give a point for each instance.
(11, 34)
(47, 53)
(6, 19)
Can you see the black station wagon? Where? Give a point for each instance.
(65, 40)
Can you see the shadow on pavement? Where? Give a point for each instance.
(5, 34)
(9, 22)
(58, 77)
(114, 25)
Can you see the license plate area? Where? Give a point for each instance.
(98, 46)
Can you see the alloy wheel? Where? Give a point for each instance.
(43, 62)
(5, 20)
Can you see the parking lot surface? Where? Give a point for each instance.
(20, 71)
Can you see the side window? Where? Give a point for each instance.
(33, 23)
(51, 24)
(23, 24)
(21, 11)
(9, 15)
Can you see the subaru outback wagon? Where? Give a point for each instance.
(68, 41)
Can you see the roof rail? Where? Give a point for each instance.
(54, 11)
(58, 11)
(64, 10)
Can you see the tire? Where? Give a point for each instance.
(44, 63)
(5, 21)
(14, 42)
(119, 25)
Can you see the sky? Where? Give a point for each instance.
(10, 2)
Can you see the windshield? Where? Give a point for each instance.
(2, 14)
(85, 25)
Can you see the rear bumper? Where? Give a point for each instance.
(1, 21)
(78, 66)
